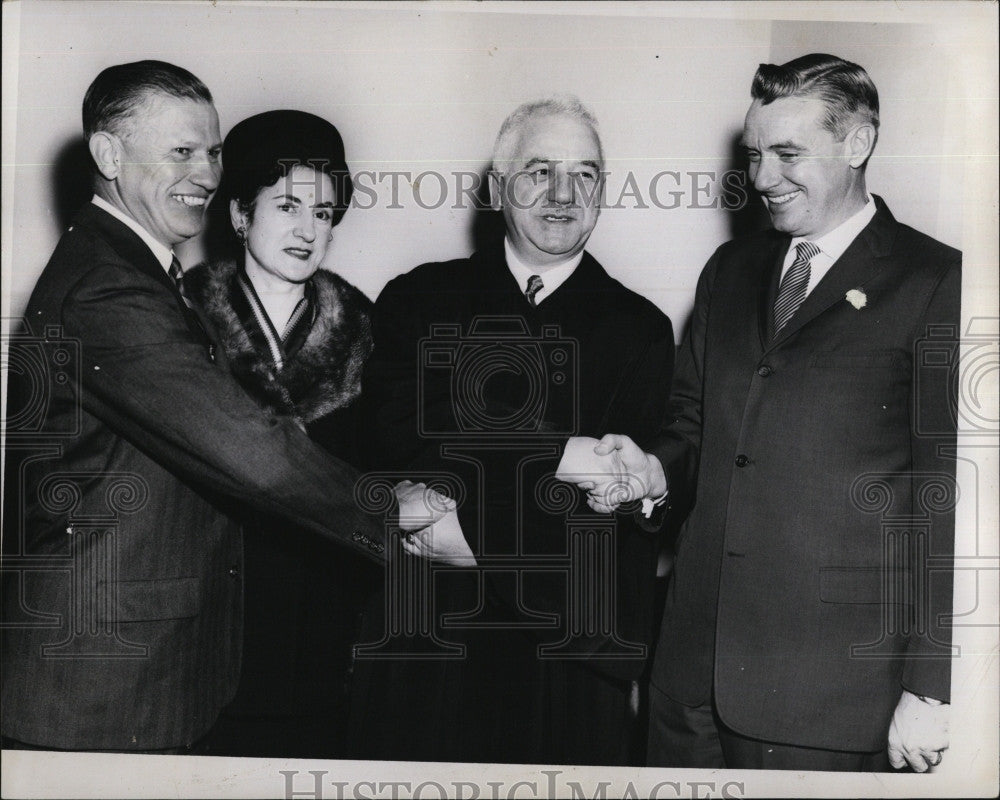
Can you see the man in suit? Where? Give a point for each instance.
(123, 549)
(806, 620)
(483, 367)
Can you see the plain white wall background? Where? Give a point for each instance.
(416, 89)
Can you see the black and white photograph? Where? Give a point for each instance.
(500, 399)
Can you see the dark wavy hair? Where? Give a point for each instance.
(843, 86)
(118, 91)
(264, 148)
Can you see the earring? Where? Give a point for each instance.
(241, 234)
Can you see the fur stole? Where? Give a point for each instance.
(324, 375)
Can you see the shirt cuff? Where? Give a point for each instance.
(649, 506)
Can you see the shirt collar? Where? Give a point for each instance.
(552, 277)
(160, 252)
(834, 243)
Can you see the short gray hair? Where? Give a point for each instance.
(117, 92)
(557, 106)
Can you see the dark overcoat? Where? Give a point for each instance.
(469, 379)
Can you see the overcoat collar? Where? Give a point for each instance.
(490, 263)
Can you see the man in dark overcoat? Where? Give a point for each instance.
(484, 367)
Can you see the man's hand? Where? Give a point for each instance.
(636, 475)
(442, 541)
(420, 506)
(918, 735)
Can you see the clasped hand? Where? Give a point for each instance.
(613, 471)
(431, 522)
(918, 734)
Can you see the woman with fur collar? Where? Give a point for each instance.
(296, 337)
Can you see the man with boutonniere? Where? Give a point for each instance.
(811, 457)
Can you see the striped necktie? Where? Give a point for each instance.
(793, 287)
(177, 275)
(535, 285)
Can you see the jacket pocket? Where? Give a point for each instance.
(866, 585)
(141, 601)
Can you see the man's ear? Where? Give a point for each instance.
(496, 190)
(860, 144)
(106, 150)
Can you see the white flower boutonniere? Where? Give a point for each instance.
(857, 298)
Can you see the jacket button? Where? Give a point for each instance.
(742, 460)
(233, 572)
(764, 370)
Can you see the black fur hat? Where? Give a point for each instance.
(263, 148)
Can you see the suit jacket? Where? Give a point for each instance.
(124, 600)
(812, 579)
(452, 388)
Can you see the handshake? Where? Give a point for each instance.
(431, 524)
(613, 471)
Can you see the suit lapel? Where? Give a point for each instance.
(135, 251)
(128, 244)
(863, 259)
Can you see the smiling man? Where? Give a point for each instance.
(806, 624)
(527, 342)
(123, 608)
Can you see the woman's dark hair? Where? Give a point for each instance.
(264, 148)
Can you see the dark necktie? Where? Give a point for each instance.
(793, 287)
(177, 275)
(535, 285)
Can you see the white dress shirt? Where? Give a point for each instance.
(161, 253)
(831, 245)
(552, 277)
